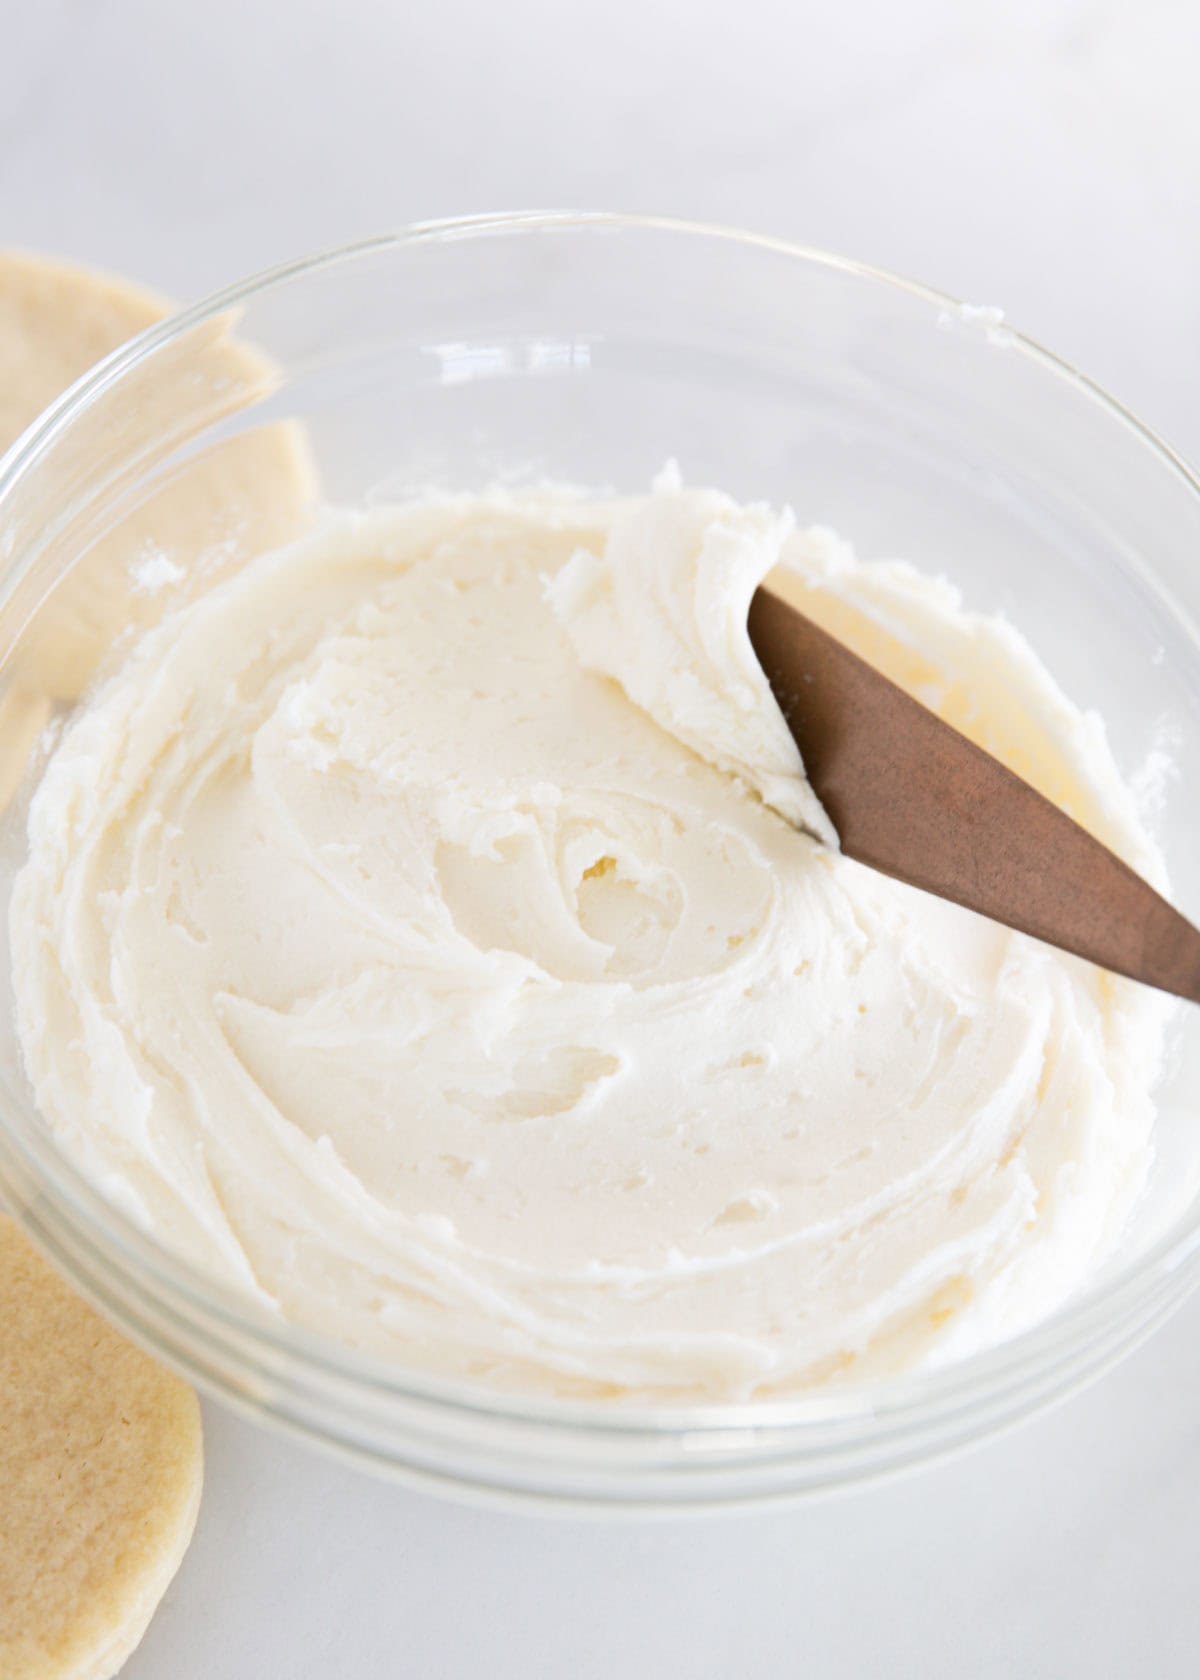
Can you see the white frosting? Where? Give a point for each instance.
(663, 610)
(412, 933)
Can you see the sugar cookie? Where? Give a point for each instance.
(214, 510)
(101, 1465)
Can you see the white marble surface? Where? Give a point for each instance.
(1039, 154)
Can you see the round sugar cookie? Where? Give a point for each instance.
(101, 1465)
(250, 492)
(55, 323)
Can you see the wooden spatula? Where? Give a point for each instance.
(912, 797)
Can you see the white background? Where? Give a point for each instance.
(1043, 155)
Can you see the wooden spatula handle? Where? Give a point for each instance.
(914, 798)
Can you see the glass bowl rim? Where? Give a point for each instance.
(863, 1411)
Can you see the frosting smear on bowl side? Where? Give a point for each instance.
(431, 930)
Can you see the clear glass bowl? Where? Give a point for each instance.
(590, 348)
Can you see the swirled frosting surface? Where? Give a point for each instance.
(432, 931)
